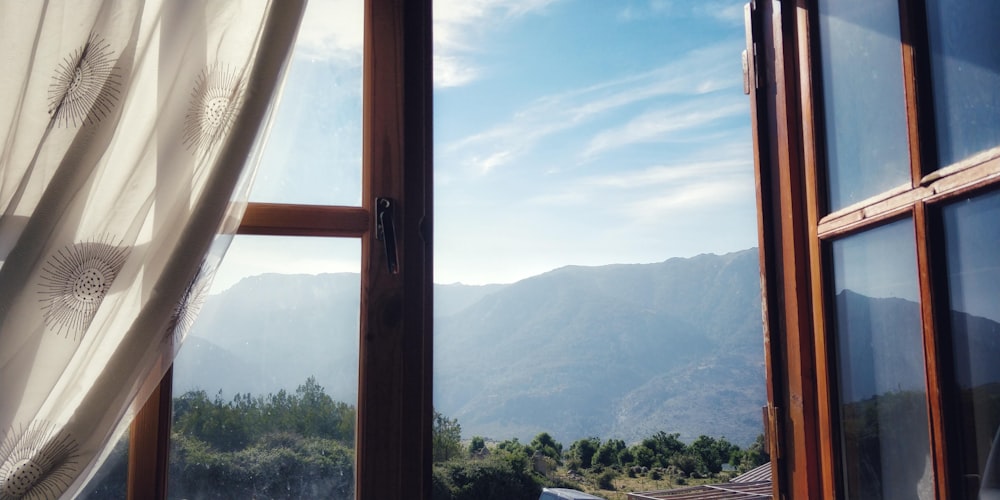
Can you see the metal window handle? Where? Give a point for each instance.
(385, 231)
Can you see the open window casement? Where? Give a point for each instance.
(876, 143)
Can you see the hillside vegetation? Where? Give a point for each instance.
(301, 445)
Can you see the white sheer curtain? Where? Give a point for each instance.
(126, 127)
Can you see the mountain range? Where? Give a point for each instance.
(617, 351)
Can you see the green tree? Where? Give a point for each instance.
(446, 438)
(626, 457)
(664, 446)
(477, 444)
(514, 453)
(712, 452)
(319, 415)
(495, 478)
(707, 451)
(644, 456)
(546, 445)
(755, 455)
(582, 451)
(688, 463)
(276, 446)
(607, 454)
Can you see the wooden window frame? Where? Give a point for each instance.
(792, 230)
(393, 431)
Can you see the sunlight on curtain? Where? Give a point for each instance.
(126, 126)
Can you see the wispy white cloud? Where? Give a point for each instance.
(456, 22)
(458, 25)
(673, 174)
(642, 10)
(452, 71)
(661, 124)
(333, 30)
(716, 175)
(725, 11)
(701, 71)
(694, 196)
(493, 160)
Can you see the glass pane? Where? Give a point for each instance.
(265, 385)
(880, 365)
(111, 479)
(965, 76)
(313, 154)
(972, 236)
(863, 106)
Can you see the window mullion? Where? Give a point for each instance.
(781, 189)
(394, 392)
(814, 204)
(149, 444)
(912, 46)
(935, 402)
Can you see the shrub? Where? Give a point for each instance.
(606, 480)
(488, 479)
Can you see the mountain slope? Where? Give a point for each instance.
(612, 351)
(621, 350)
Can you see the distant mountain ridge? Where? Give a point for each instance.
(610, 351)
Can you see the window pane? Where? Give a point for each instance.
(880, 365)
(265, 385)
(111, 479)
(972, 237)
(863, 105)
(965, 72)
(313, 154)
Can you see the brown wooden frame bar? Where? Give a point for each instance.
(815, 201)
(764, 186)
(149, 444)
(276, 219)
(785, 261)
(394, 394)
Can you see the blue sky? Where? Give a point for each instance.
(583, 132)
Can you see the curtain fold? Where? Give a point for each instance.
(127, 127)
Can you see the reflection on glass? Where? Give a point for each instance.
(965, 77)
(313, 154)
(973, 263)
(863, 105)
(265, 385)
(880, 365)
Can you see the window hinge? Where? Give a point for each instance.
(746, 73)
(751, 80)
(772, 431)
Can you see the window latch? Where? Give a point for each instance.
(385, 231)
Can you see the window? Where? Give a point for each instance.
(878, 153)
(394, 405)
